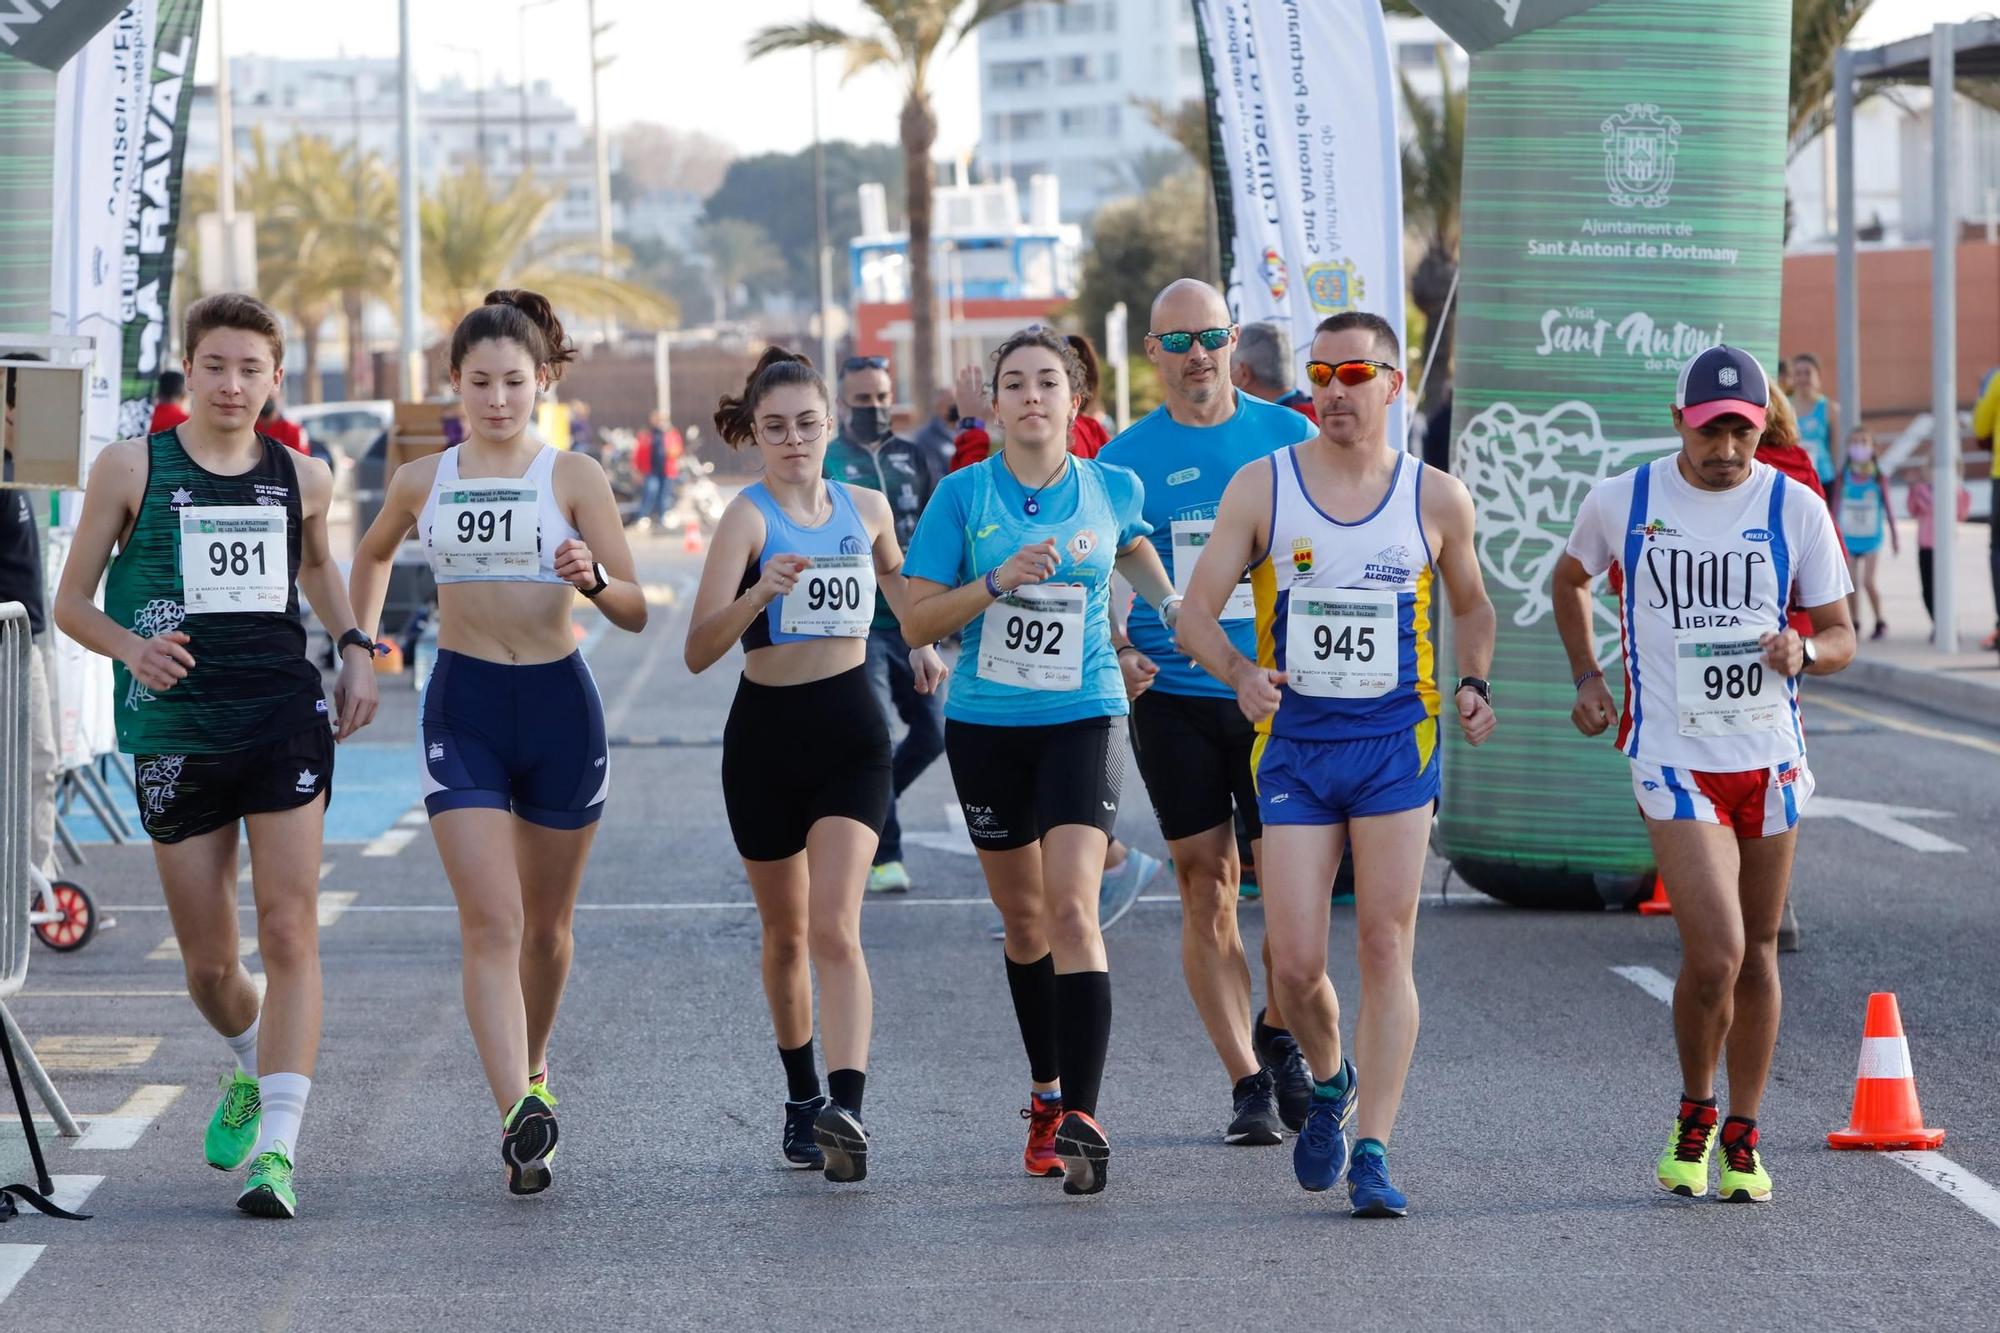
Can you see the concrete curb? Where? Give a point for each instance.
(1955, 695)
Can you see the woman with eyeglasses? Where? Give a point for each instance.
(1018, 552)
(806, 778)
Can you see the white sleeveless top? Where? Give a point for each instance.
(494, 529)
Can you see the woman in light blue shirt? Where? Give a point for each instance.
(1017, 552)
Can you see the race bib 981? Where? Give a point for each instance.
(234, 558)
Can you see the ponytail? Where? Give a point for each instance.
(516, 315)
(736, 417)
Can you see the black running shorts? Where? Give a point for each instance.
(793, 755)
(183, 796)
(1194, 753)
(1017, 783)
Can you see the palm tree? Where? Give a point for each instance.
(475, 240)
(1819, 28)
(1433, 162)
(909, 37)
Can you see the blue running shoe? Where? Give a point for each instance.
(1319, 1158)
(1368, 1187)
(1123, 886)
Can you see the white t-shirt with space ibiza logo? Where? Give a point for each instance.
(1700, 577)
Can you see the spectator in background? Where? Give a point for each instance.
(288, 433)
(22, 580)
(1262, 367)
(454, 423)
(656, 458)
(1863, 510)
(1923, 508)
(169, 402)
(1818, 417)
(582, 435)
(937, 434)
(1784, 380)
(1984, 418)
(1087, 433)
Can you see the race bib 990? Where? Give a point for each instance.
(834, 597)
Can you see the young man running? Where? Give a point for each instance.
(867, 454)
(1193, 743)
(1344, 537)
(1706, 548)
(217, 529)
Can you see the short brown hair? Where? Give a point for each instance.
(233, 310)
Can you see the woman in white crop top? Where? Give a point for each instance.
(516, 765)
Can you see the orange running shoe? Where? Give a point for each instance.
(1042, 1115)
(1085, 1153)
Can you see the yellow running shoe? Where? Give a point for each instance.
(1683, 1168)
(1744, 1179)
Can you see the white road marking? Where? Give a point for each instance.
(1887, 821)
(1954, 1180)
(94, 1054)
(168, 950)
(332, 906)
(243, 871)
(70, 1193)
(1650, 980)
(123, 1127)
(399, 835)
(15, 1261)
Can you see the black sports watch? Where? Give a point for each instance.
(597, 568)
(1477, 686)
(1811, 653)
(356, 638)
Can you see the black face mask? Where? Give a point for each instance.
(865, 425)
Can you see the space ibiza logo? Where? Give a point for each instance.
(1276, 276)
(1333, 288)
(1704, 589)
(1639, 147)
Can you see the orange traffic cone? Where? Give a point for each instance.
(691, 542)
(1885, 1112)
(1657, 905)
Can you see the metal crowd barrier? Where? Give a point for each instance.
(19, 881)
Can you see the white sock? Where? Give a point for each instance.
(244, 1047)
(284, 1102)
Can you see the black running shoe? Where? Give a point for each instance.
(1289, 1075)
(839, 1134)
(1084, 1152)
(1256, 1123)
(801, 1151)
(527, 1141)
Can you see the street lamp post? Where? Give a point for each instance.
(413, 266)
(521, 13)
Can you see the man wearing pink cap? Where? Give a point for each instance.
(1706, 548)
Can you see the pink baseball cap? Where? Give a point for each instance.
(1722, 381)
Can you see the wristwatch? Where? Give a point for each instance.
(597, 569)
(1812, 653)
(1477, 686)
(356, 638)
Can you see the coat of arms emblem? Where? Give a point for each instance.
(1639, 147)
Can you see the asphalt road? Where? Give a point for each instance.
(1540, 1096)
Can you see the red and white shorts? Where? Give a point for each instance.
(1758, 803)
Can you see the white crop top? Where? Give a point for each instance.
(494, 529)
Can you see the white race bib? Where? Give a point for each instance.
(234, 558)
(487, 529)
(1341, 643)
(1033, 638)
(1190, 535)
(1859, 516)
(834, 598)
(1721, 685)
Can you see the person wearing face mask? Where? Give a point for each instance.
(867, 454)
(1864, 514)
(793, 575)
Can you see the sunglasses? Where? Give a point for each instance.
(1179, 341)
(854, 363)
(1350, 373)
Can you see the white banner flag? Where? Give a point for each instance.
(1302, 105)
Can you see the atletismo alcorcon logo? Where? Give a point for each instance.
(1639, 147)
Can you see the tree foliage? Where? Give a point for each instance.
(775, 192)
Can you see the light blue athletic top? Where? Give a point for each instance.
(1185, 470)
(843, 534)
(974, 523)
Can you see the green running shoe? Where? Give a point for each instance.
(232, 1130)
(1683, 1168)
(268, 1192)
(1744, 1179)
(527, 1141)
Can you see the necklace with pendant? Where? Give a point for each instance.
(1032, 506)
